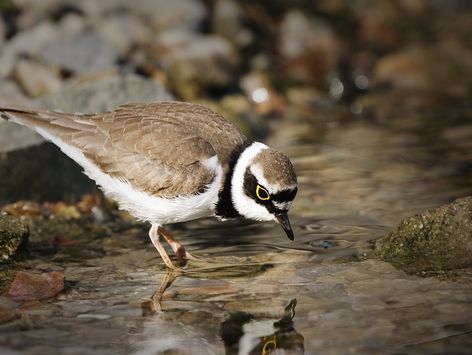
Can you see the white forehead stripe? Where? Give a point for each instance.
(246, 206)
(283, 205)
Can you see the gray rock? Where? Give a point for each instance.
(8, 57)
(436, 240)
(105, 94)
(10, 93)
(309, 46)
(41, 173)
(42, 6)
(161, 13)
(423, 67)
(13, 237)
(194, 61)
(33, 40)
(84, 53)
(15, 137)
(123, 31)
(228, 23)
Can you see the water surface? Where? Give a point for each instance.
(358, 179)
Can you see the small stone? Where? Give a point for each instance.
(161, 13)
(10, 94)
(7, 315)
(177, 13)
(123, 31)
(228, 23)
(28, 286)
(309, 46)
(13, 237)
(33, 40)
(37, 79)
(193, 61)
(8, 57)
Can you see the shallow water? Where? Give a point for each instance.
(357, 180)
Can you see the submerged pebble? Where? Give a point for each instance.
(30, 286)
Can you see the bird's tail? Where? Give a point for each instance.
(53, 122)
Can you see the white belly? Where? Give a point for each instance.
(161, 210)
(141, 205)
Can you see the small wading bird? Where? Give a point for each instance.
(170, 162)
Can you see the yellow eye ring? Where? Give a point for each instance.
(265, 194)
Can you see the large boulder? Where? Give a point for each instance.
(435, 240)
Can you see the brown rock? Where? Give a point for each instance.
(7, 315)
(37, 79)
(309, 46)
(28, 286)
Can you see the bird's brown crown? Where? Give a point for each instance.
(276, 167)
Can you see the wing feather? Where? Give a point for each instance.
(161, 148)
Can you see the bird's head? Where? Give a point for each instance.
(264, 185)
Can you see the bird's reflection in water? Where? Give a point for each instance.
(242, 333)
(155, 303)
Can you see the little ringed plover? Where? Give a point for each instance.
(169, 162)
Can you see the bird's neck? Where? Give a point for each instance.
(241, 158)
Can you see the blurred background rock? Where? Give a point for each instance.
(251, 60)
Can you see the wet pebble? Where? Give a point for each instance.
(29, 286)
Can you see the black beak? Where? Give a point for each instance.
(285, 223)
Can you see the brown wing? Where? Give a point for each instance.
(160, 148)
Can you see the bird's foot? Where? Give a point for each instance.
(181, 254)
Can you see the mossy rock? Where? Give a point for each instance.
(436, 240)
(13, 237)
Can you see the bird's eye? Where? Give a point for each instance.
(262, 193)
